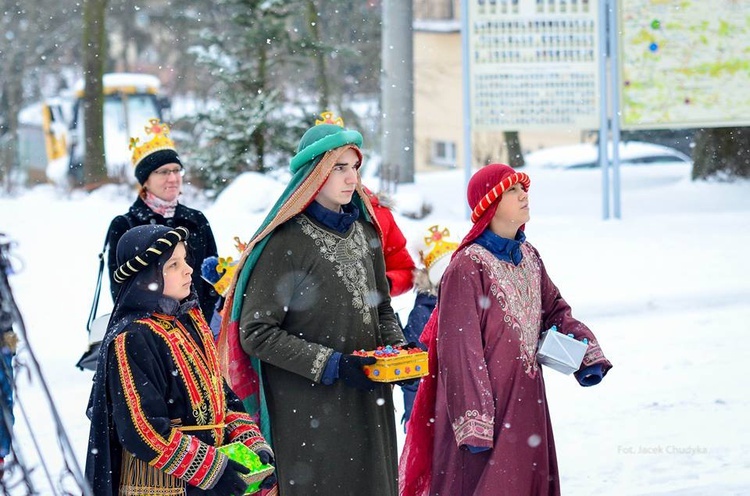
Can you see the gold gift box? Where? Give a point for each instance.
(395, 364)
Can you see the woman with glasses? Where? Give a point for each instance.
(159, 171)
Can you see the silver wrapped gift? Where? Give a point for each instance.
(560, 352)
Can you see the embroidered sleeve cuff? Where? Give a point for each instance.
(191, 460)
(594, 355)
(241, 428)
(474, 429)
(320, 362)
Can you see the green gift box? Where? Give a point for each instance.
(247, 457)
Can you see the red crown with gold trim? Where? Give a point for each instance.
(159, 141)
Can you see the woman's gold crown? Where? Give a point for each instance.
(160, 141)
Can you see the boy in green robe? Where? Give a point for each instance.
(311, 290)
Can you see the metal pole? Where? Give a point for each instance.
(615, 94)
(466, 82)
(397, 85)
(603, 108)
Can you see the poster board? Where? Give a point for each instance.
(533, 64)
(684, 64)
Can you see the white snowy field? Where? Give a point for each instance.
(666, 290)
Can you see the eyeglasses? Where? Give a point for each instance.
(166, 172)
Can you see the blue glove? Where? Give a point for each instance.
(591, 375)
(350, 370)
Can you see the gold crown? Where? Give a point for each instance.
(328, 118)
(438, 245)
(160, 141)
(226, 268)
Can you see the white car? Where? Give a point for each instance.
(585, 156)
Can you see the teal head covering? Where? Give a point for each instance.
(320, 139)
(310, 168)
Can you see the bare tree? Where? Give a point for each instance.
(321, 56)
(94, 60)
(515, 153)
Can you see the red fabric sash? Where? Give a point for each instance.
(242, 377)
(415, 465)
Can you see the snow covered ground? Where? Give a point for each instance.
(666, 290)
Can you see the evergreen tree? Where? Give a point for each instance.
(251, 123)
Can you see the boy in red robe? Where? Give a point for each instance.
(480, 423)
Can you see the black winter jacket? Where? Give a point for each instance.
(201, 244)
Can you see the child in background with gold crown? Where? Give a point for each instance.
(436, 248)
(159, 170)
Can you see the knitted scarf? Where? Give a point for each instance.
(162, 207)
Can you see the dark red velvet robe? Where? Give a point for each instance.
(490, 388)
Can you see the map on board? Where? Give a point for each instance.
(684, 63)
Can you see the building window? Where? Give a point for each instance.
(444, 153)
(434, 9)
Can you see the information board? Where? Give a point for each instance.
(533, 64)
(684, 63)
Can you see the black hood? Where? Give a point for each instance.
(141, 255)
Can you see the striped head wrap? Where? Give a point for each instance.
(153, 252)
(497, 191)
(486, 188)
